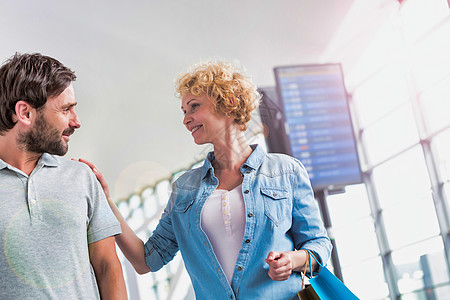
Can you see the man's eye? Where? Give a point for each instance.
(66, 110)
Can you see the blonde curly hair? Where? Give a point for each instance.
(233, 93)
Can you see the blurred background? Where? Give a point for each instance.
(390, 227)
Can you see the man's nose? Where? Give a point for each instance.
(74, 121)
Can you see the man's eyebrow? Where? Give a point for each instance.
(68, 105)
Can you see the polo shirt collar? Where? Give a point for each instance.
(48, 160)
(2, 164)
(45, 160)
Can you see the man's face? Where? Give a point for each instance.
(54, 124)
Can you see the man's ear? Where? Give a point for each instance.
(25, 113)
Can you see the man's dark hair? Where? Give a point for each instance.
(32, 78)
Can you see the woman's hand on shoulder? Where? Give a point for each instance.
(99, 176)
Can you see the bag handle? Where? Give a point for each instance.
(309, 254)
(308, 259)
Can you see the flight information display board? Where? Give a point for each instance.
(319, 125)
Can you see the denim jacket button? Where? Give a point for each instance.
(250, 215)
(247, 241)
(239, 268)
(246, 191)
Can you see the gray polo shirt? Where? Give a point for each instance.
(47, 220)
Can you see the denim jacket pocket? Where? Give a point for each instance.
(276, 205)
(184, 205)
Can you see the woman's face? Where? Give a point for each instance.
(205, 124)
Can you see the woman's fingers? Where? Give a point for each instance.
(280, 266)
(99, 176)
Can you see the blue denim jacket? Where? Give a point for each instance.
(281, 215)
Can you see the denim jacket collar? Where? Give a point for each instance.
(253, 162)
(207, 165)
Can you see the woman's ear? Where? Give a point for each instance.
(24, 112)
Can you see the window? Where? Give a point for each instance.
(391, 134)
(435, 105)
(400, 85)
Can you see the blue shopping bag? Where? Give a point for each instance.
(327, 286)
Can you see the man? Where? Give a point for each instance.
(57, 230)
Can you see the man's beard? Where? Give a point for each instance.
(44, 138)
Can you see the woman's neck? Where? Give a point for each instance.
(231, 155)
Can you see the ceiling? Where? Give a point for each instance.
(127, 54)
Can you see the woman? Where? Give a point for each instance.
(239, 219)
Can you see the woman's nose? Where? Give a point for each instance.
(186, 119)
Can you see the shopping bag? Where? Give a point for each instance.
(306, 292)
(327, 286)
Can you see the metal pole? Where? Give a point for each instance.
(321, 197)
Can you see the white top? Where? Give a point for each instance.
(223, 221)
